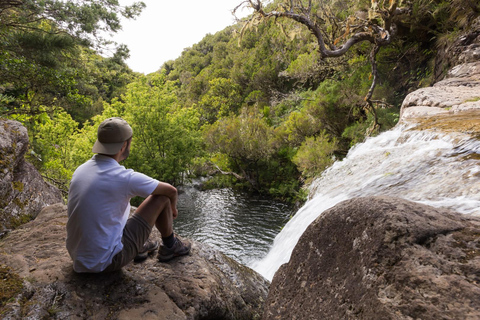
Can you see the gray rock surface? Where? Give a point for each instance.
(22, 189)
(457, 77)
(465, 49)
(459, 92)
(381, 258)
(203, 285)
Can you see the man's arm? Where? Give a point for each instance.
(165, 189)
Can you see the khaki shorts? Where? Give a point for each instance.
(135, 234)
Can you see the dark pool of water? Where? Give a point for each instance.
(241, 226)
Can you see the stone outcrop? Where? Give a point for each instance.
(465, 49)
(23, 192)
(459, 88)
(459, 92)
(381, 258)
(203, 285)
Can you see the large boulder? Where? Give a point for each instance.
(381, 258)
(203, 285)
(23, 192)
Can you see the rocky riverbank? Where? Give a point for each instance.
(203, 285)
(39, 281)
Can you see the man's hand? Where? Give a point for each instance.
(174, 211)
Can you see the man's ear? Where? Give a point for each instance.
(124, 146)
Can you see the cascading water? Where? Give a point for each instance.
(438, 169)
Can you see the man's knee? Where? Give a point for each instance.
(152, 206)
(159, 199)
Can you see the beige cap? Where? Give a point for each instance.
(111, 135)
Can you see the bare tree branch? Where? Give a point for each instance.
(378, 29)
(370, 32)
(239, 177)
(373, 62)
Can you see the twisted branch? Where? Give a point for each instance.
(366, 30)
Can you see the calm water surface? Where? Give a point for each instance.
(241, 226)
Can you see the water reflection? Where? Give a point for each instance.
(239, 225)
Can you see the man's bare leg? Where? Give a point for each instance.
(157, 211)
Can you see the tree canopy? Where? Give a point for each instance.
(45, 45)
(265, 105)
(338, 25)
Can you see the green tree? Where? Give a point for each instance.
(337, 26)
(298, 126)
(315, 155)
(99, 80)
(40, 50)
(51, 143)
(166, 136)
(222, 99)
(247, 140)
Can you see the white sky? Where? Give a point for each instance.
(166, 27)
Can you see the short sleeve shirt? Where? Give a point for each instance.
(98, 209)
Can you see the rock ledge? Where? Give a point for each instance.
(203, 285)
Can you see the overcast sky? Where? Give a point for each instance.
(165, 28)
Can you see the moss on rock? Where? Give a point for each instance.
(466, 122)
(11, 286)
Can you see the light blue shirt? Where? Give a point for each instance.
(98, 209)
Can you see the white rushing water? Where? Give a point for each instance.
(438, 169)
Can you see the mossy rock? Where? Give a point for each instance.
(12, 285)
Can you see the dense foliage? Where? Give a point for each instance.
(47, 58)
(257, 107)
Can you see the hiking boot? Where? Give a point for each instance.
(178, 249)
(148, 248)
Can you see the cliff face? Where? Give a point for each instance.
(23, 192)
(204, 285)
(457, 73)
(465, 49)
(459, 92)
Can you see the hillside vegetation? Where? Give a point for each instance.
(256, 105)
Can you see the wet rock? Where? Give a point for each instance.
(23, 192)
(203, 285)
(381, 258)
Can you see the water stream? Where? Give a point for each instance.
(238, 224)
(427, 166)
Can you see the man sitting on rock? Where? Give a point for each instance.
(100, 236)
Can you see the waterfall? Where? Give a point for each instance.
(435, 168)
